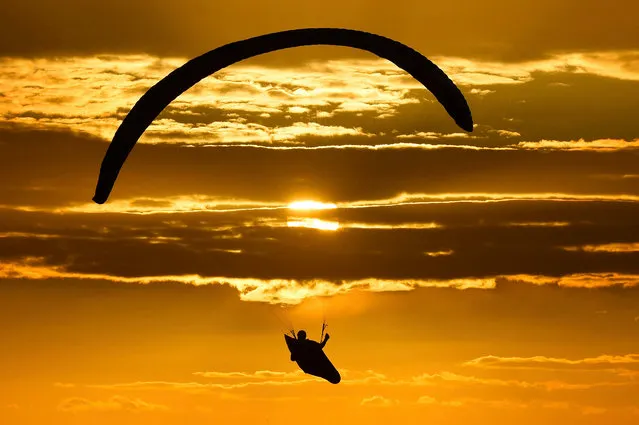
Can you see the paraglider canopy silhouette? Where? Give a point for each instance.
(153, 102)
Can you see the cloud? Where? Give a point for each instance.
(276, 291)
(257, 375)
(212, 176)
(203, 203)
(378, 401)
(253, 104)
(252, 251)
(208, 113)
(464, 402)
(556, 385)
(590, 410)
(599, 145)
(291, 290)
(553, 363)
(618, 65)
(540, 224)
(243, 380)
(381, 146)
(481, 92)
(609, 247)
(239, 381)
(516, 404)
(438, 253)
(64, 385)
(115, 403)
(507, 133)
(435, 136)
(581, 145)
(580, 280)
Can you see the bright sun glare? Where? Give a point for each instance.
(311, 205)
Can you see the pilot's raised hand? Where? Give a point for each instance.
(327, 337)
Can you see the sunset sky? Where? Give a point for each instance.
(489, 277)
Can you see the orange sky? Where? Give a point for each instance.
(467, 278)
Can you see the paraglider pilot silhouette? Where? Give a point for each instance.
(310, 357)
(301, 338)
(308, 354)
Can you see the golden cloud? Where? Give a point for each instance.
(434, 379)
(93, 93)
(581, 145)
(514, 404)
(115, 403)
(608, 247)
(292, 291)
(225, 381)
(378, 401)
(204, 203)
(275, 291)
(543, 362)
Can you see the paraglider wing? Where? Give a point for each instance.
(153, 102)
(313, 360)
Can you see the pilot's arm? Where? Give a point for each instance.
(323, 343)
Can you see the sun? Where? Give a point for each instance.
(311, 205)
